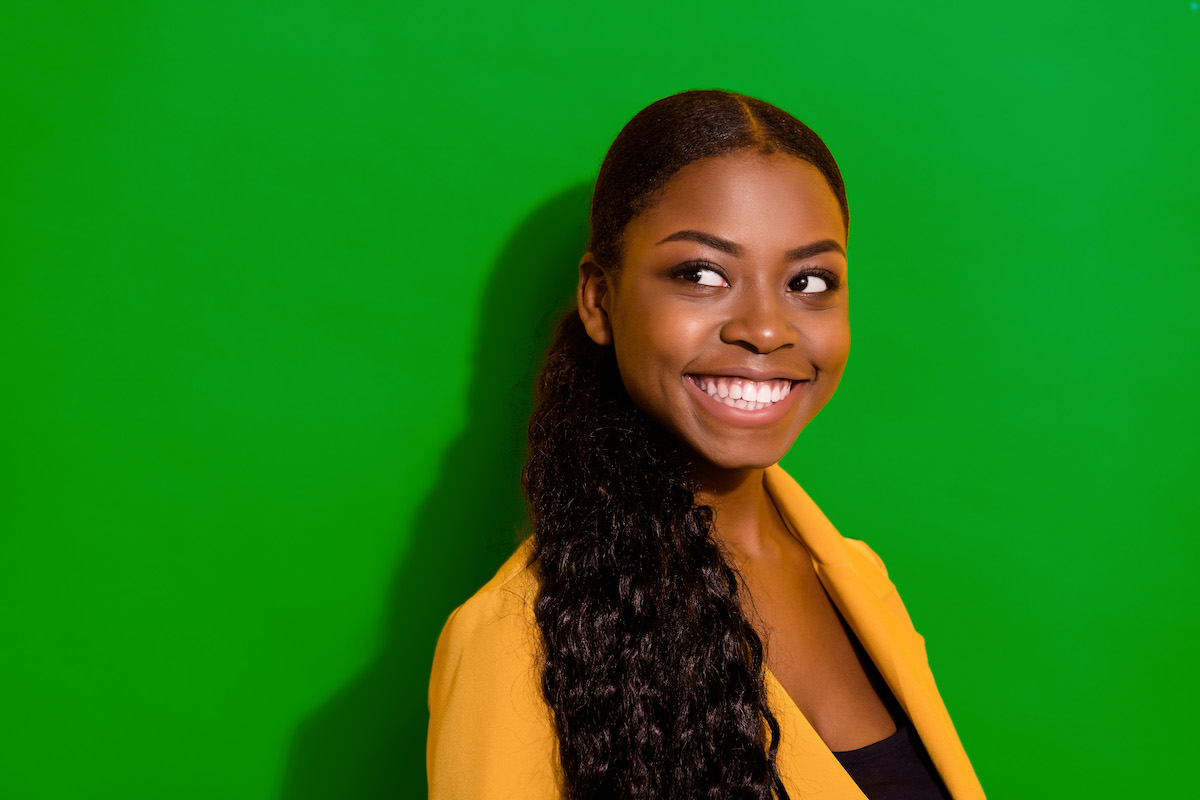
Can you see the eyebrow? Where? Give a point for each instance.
(816, 248)
(715, 242)
(735, 249)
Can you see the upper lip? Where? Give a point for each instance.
(750, 374)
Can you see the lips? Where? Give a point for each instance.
(741, 392)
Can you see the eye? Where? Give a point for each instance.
(813, 283)
(700, 275)
(809, 284)
(709, 277)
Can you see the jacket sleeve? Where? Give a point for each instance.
(490, 731)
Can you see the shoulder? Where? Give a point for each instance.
(868, 563)
(500, 612)
(494, 627)
(490, 731)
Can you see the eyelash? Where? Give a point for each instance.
(832, 282)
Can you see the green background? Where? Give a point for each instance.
(273, 281)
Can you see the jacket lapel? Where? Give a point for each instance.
(858, 585)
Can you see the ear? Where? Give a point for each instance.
(593, 299)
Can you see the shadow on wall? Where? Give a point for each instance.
(368, 740)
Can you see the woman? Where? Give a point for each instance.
(683, 621)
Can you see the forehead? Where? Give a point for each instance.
(746, 197)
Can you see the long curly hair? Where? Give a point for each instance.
(652, 671)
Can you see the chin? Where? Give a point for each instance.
(727, 449)
(737, 466)
(742, 460)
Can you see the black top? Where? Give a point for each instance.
(895, 768)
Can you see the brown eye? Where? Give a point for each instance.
(708, 277)
(699, 275)
(809, 284)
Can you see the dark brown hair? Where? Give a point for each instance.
(653, 673)
(682, 129)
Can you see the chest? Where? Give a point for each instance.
(814, 655)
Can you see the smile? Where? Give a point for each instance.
(742, 393)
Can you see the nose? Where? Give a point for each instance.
(761, 325)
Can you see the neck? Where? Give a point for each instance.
(745, 516)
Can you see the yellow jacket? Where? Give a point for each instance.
(491, 735)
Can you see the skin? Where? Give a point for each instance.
(739, 271)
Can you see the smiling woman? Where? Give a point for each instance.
(683, 621)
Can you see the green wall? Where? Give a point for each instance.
(273, 277)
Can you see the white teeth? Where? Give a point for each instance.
(742, 393)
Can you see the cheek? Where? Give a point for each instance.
(654, 347)
(830, 344)
(653, 337)
(639, 356)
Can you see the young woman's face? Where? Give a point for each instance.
(729, 313)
